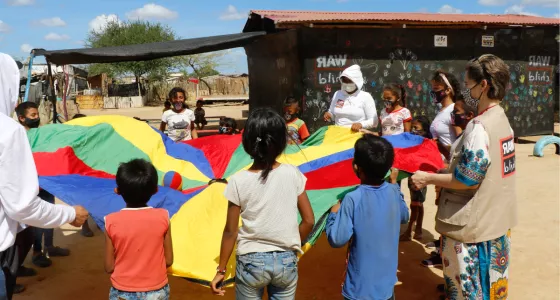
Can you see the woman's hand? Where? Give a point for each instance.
(356, 127)
(420, 180)
(216, 285)
(327, 117)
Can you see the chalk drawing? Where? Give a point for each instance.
(403, 56)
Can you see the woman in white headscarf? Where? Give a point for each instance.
(350, 106)
(19, 183)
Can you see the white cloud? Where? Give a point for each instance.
(26, 48)
(21, 2)
(4, 27)
(232, 13)
(51, 22)
(56, 37)
(557, 16)
(519, 10)
(545, 3)
(448, 9)
(100, 22)
(152, 11)
(81, 43)
(492, 2)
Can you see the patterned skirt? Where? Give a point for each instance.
(477, 271)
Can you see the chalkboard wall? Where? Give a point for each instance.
(410, 57)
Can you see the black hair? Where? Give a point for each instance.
(167, 103)
(200, 102)
(77, 116)
(290, 100)
(374, 156)
(175, 91)
(398, 91)
(492, 69)
(455, 86)
(426, 123)
(264, 138)
(230, 122)
(22, 108)
(137, 182)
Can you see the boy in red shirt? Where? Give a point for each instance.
(138, 247)
(297, 130)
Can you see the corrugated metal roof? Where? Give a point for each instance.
(295, 17)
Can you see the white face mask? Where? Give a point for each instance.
(349, 87)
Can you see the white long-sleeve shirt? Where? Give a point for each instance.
(356, 108)
(19, 184)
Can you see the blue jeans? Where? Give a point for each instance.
(3, 291)
(277, 271)
(161, 294)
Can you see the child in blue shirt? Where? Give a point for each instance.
(369, 219)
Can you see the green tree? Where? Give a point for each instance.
(201, 65)
(130, 33)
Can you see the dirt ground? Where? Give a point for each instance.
(534, 271)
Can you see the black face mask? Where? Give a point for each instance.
(438, 96)
(459, 120)
(32, 123)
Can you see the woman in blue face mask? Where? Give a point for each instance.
(351, 107)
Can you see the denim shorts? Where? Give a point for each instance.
(276, 271)
(161, 294)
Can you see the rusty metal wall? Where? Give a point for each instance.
(274, 69)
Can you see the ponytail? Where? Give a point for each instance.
(403, 95)
(264, 155)
(264, 139)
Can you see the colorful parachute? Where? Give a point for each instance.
(77, 162)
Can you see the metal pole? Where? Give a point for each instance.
(28, 83)
(50, 92)
(66, 90)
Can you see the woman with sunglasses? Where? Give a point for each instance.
(477, 205)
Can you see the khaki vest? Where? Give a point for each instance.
(486, 213)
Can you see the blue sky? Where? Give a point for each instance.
(63, 24)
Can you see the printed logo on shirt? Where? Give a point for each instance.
(507, 150)
(180, 125)
(340, 103)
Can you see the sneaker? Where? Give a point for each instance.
(26, 272)
(41, 261)
(434, 261)
(57, 251)
(19, 288)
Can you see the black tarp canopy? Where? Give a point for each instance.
(149, 51)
